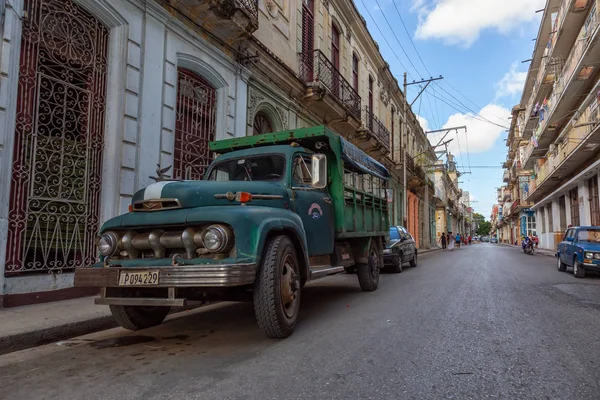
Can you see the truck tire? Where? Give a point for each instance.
(277, 289)
(368, 274)
(138, 317)
(562, 267)
(578, 270)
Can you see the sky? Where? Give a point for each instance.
(478, 47)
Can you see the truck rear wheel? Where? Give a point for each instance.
(138, 317)
(277, 289)
(368, 274)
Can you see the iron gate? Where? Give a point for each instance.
(56, 175)
(195, 125)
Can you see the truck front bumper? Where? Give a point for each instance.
(205, 275)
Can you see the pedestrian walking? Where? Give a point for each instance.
(469, 239)
(458, 240)
(450, 241)
(443, 240)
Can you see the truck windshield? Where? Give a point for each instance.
(255, 168)
(589, 235)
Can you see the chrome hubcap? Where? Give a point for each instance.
(290, 285)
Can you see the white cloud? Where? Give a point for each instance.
(480, 135)
(511, 83)
(461, 21)
(423, 122)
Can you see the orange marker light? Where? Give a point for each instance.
(243, 197)
(130, 208)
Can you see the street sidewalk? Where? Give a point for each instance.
(33, 325)
(539, 251)
(430, 250)
(29, 326)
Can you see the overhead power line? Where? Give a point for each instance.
(410, 38)
(474, 116)
(384, 38)
(468, 108)
(396, 37)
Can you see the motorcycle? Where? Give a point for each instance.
(528, 248)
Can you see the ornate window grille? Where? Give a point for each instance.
(195, 125)
(57, 163)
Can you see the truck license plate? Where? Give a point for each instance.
(138, 278)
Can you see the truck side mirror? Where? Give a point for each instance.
(319, 171)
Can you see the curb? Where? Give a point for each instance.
(427, 251)
(545, 253)
(25, 340)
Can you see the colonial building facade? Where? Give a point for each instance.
(99, 96)
(95, 96)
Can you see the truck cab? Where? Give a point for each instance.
(272, 213)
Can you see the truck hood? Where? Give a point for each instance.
(192, 194)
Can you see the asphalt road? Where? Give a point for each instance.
(486, 321)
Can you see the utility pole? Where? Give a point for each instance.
(403, 138)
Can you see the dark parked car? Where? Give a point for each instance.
(400, 249)
(494, 240)
(580, 249)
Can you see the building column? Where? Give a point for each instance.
(585, 216)
(426, 219)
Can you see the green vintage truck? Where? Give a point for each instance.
(273, 212)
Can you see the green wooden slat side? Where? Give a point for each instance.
(267, 139)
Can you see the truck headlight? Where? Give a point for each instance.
(216, 238)
(597, 256)
(108, 244)
(589, 255)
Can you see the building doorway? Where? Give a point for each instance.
(59, 137)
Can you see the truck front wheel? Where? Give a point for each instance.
(277, 289)
(368, 274)
(138, 317)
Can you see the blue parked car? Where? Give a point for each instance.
(580, 249)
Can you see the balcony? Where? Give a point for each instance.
(579, 70)
(571, 14)
(416, 176)
(506, 176)
(229, 20)
(576, 146)
(373, 137)
(332, 95)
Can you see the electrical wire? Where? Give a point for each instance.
(385, 39)
(410, 38)
(468, 108)
(396, 37)
(473, 115)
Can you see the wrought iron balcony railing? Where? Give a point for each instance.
(315, 68)
(377, 128)
(250, 7)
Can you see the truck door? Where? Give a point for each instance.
(568, 247)
(315, 208)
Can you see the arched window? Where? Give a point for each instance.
(355, 72)
(262, 124)
(308, 38)
(335, 46)
(195, 125)
(370, 94)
